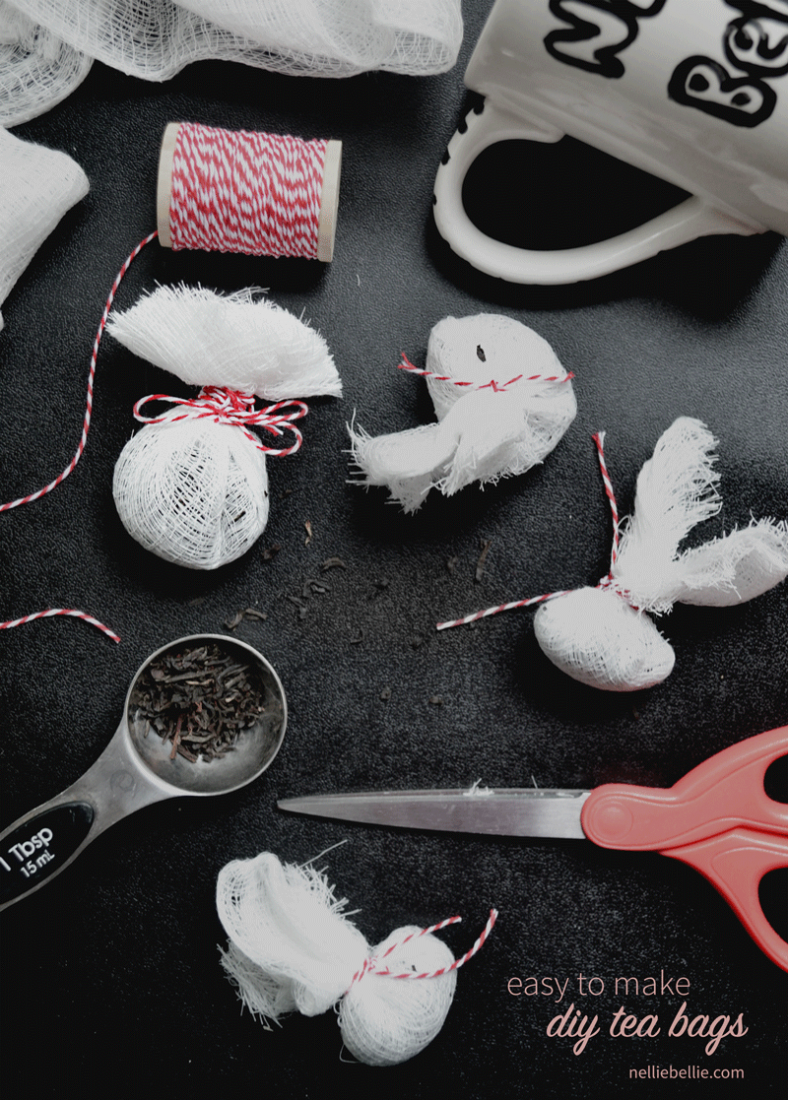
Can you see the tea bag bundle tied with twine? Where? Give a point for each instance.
(603, 636)
(502, 399)
(292, 949)
(192, 485)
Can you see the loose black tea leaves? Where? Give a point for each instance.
(199, 699)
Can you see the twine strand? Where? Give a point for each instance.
(496, 387)
(607, 582)
(91, 377)
(55, 611)
(372, 965)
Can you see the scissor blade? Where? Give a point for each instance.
(526, 811)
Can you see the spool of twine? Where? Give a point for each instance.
(245, 191)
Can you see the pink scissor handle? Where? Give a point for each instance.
(735, 863)
(718, 819)
(720, 794)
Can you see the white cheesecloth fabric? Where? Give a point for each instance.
(195, 491)
(603, 636)
(155, 39)
(292, 949)
(481, 434)
(37, 68)
(37, 187)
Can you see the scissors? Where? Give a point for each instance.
(718, 819)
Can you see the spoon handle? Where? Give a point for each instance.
(44, 841)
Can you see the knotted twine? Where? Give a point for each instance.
(192, 485)
(603, 636)
(503, 402)
(292, 949)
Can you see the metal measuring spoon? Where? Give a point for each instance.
(133, 771)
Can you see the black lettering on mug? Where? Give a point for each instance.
(757, 9)
(599, 30)
(758, 46)
(591, 45)
(641, 8)
(705, 84)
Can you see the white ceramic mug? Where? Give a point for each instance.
(692, 91)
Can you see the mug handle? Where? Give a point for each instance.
(688, 220)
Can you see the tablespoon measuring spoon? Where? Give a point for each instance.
(135, 770)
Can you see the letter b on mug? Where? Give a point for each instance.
(692, 91)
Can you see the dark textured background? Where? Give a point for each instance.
(115, 961)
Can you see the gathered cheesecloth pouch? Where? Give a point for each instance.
(192, 487)
(494, 419)
(292, 949)
(37, 187)
(155, 39)
(604, 636)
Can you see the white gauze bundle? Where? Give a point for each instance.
(603, 636)
(292, 949)
(192, 485)
(502, 399)
(155, 39)
(37, 187)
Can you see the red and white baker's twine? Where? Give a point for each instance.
(71, 613)
(237, 409)
(246, 192)
(375, 964)
(55, 611)
(496, 387)
(91, 376)
(608, 581)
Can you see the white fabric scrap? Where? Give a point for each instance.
(481, 435)
(37, 68)
(155, 39)
(603, 636)
(37, 187)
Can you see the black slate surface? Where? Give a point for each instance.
(115, 961)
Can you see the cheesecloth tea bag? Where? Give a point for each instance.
(155, 39)
(37, 69)
(292, 949)
(502, 399)
(37, 187)
(603, 636)
(192, 485)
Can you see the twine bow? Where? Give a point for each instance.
(236, 409)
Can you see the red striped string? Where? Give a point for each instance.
(372, 965)
(607, 581)
(91, 376)
(496, 387)
(53, 611)
(502, 607)
(599, 440)
(237, 409)
(241, 191)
